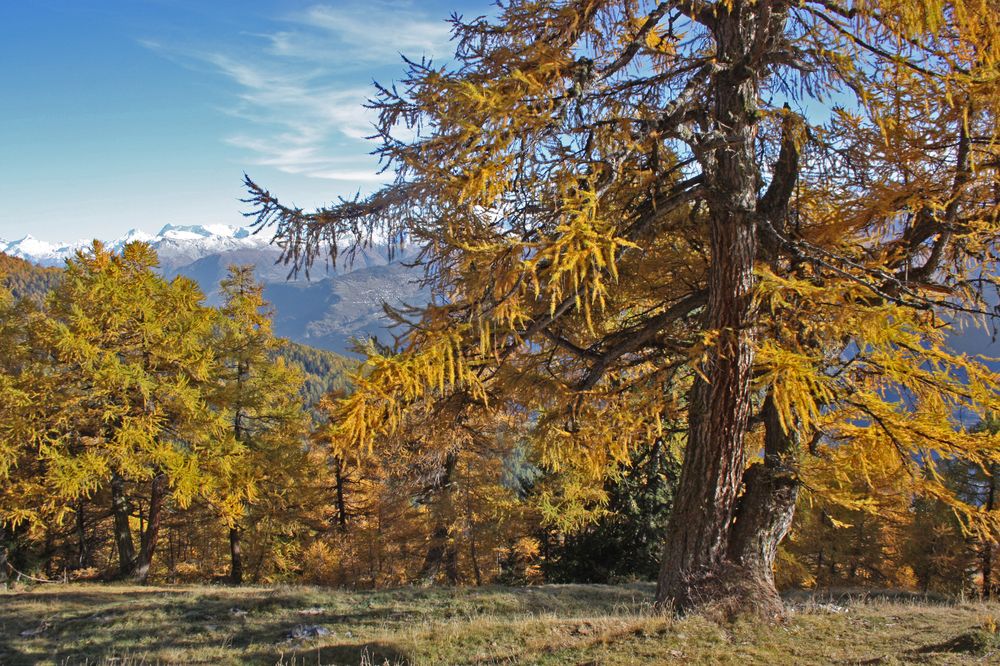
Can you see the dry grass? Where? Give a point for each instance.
(558, 624)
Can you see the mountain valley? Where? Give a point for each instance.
(326, 310)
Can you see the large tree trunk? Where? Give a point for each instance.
(152, 532)
(696, 568)
(121, 510)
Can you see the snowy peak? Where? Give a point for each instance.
(173, 243)
(41, 252)
(133, 235)
(198, 231)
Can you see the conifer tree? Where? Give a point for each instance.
(130, 367)
(634, 212)
(260, 397)
(851, 529)
(989, 502)
(623, 542)
(16, 432)
(945, 555)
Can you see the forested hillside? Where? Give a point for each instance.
(325, 372)
(25, 280)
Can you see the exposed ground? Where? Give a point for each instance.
(553, 624)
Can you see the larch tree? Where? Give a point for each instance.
(756, 217)
(20, 403)
(428, 497)
(623, 542)
(129, 372)
(946, 556)
(260, 399)
(989, 487)
(852, 533)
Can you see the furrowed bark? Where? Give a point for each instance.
(696, 570)
(764, 513)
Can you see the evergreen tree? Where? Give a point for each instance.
(623, 542)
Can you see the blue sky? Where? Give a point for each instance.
(137, 113)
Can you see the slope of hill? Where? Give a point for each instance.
(329, 313)
(26, 280)
(324, 370)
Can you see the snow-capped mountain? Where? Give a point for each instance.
(40, 252)
(174, 243)
(336, 304)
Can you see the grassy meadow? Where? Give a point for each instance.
(552, 624)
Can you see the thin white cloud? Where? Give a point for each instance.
(300, 94)
(374, 32)
(302, 124)
(285, 156)
(350, 176)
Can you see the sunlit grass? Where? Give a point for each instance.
(558, 624)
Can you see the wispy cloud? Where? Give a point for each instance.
(299, 92)
(375, 32)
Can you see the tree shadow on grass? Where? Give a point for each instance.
(90, 627)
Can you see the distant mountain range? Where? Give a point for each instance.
(337, 304)
(325, 312)
(175, 244)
